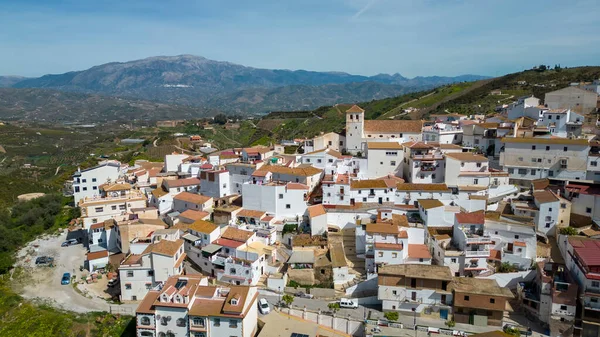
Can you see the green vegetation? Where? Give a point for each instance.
(450, 324)
(21, 317)
(568, 231)
(287, 299)
(512, 331)
(27, 220)
(506, 267)
(391, 315)
(334, 306)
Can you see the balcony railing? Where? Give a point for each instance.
(479, 239)
(427, 156)
(473, 253)
(592, 290)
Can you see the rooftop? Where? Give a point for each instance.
(421, 271)
(164, 247)
(467, 157)
(203, 226)
(480, 286)
(368, 183)
(422, 187)
(236, 234)
(384, 145)
(430, 203)
(540, 140)
(393, 126)
(545, 196)
(477, 217)
(418, 251)
(193, 198)
(316, 210)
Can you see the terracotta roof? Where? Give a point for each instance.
(306, 171)
(590, 232)
(400, 220)
(181, 182)
(355, 109)
(194, 215)
(236, 234)
(540, 184)
(477, 217)
(489, 287)
(495, 255)
(193, 198)
(545, 196)
(430, 203)
(296, 186)
(147, 304)
(421, 271)
(418, 251)
(393, 126)
(472, 188)
(115, 187)
(248, 213)
(422, 187)
(97, 225)
(367, 183)
(450, 146)
(97, 255)
(586, 249)
(583, 189)
(342, 179)
(467, 156)
(388, 246)
(418, 145)
(540, 140)
(261, 150)
(384, 145)
(203, 226)
(520, 243)
(159, 192)
(316, 210)
(164, 247)
(383, 227)
(228, 243)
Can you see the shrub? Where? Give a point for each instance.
(450, 324)
(391, 315)
(568, 231)
(287, 299)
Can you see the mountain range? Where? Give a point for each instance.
(197, 81)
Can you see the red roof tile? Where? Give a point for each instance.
(228, 243)
(418, 251)
(477, 217)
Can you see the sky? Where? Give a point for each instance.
(366, 37)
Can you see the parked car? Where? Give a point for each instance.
(348, 303)
(69, 242)
(263, 306)
(44, 260)
(66, 279)
(303, 295)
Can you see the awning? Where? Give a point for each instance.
(191, 237)
(211, 248)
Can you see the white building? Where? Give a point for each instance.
(187, 200)
(384, 158)
(176, 186)
(329, 140)
(467, 169)
(423, 163)
(585, 200)
(86, 182)
(215, 183)
(187, 306)
(239, 173)
(173, 162)
(316, 218)
(443, 133)
(115, 201)
(140, 273)
(359, 131)
(282, 200)
(327, 160)
(304, 174)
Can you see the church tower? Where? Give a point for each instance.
(355, 122)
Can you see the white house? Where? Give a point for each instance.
(239, 173)
(329, 140)
(443, 133)
(187, 200)
(384, 158)
(304, 174)
(573, 98)
(282, 200)
(423, 163)
(140, 273)
(467, 169)
(585, 200)
(173, 161)
(316, 219)
(176, 186)
(327, 160)
(187, 306)
(86, 182)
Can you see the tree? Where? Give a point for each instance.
(220, 119)
(287, 299)
(334, 306)
(506, 267)
(391, 315)
(568, 231)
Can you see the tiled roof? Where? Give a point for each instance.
(296, 186)
(164, 247)
(203, 226)
(540, 140)
(115, 187)
(383, 227)
(419, 251)
(393, 126)
(236, 234)
(422, 187)
(587, 250)
(159, 192)
(488, 287)
(477, 217)
(228, 243)
(421, 271)
(495, 255)
(583, 189)
(367, 183)
(193, 198)
(249, 213)
(97, 255)
(306, 171)
(384, 145)
(182, 182)
(418, 145)
(316, 210)
(193, 214)
(520, 243)
(430, 203)
(545, 196)
(467, 156)
(355, 109)
(540, 184)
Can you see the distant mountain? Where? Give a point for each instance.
(52, 106)
(195, 80)
(9, 81)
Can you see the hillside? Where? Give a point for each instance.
(194, 80)
(9, 81)
(464, 98)
(51, 106)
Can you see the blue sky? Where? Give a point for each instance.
(419, 37)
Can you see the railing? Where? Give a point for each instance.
(134, 195)
(592, 290)
(471, 253)
(479, 239)
(427, 156)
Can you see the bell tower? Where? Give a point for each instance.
(355, 122)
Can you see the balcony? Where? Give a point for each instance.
(592, 290)
(477, 253)
(429, 156)
(479, 240)
(129, 196)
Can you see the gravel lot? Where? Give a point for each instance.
(43, 282)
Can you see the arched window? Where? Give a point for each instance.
(148, 333)
(145, 320)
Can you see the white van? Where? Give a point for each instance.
(348, 303)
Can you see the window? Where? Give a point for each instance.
(394, 255)
(150, 272)
(550, 173)
(533, 160)
(93, 180)
(180, 322)
(288, 206)
(563, 163)
(198, 321)
(565, 149)
(420, 260)
(128, 286)
(318, 160)
(520, 158)
(594, 299)
(466, 298)
(547, 148)
(393, 163)
(364, 199)
(492, 300)
(94, 187)
(588, 210)
(233, 323)
(148, 286)
(563, 205)
(99, 209)
(453, 260)
(478, 164)
(563, 307)
(433, 176)
(595, 284)
(511, 170)
(549, 116)
(380, 254)
(533, 147)
(83, 180)
(549, 209)
(394, 292)
(307, 160)
(462, 164)
(130, 273)
(280, 196)
(145, 320)
(85, 188)
(594, 163)
(76, 189)
(330, 160)
(217, 322)
(522, 171)
(475, 181)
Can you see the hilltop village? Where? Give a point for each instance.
(456, 223)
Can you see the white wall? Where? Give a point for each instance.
(86, 185)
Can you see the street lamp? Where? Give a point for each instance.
(414, 310)
(279, 303)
